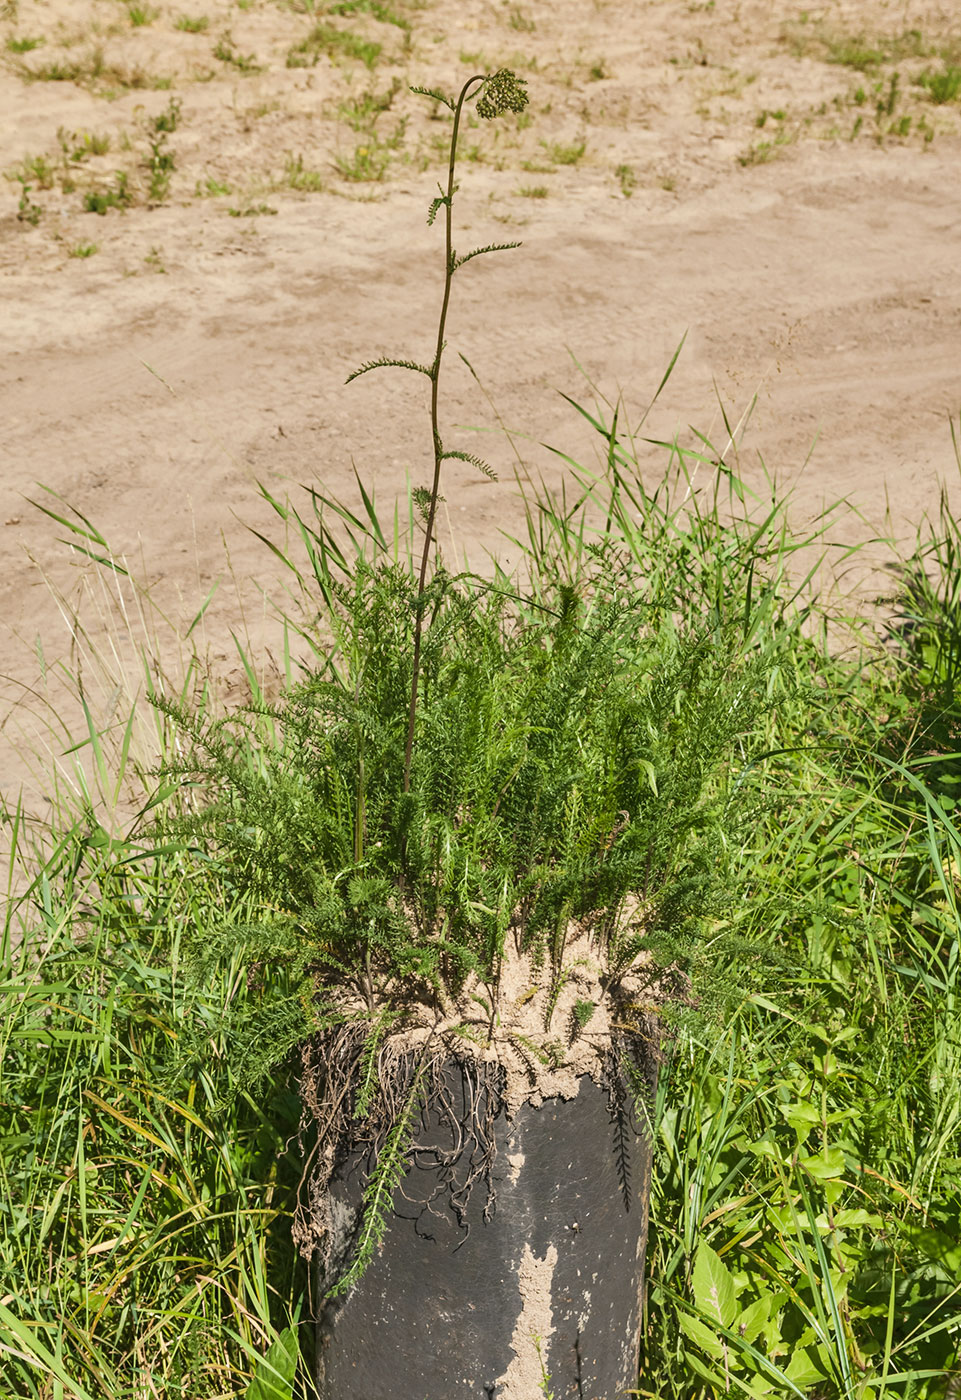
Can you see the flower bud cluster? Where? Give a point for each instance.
(502, 92)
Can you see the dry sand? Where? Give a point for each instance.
(742, 180)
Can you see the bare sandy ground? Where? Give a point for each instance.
(779, 184)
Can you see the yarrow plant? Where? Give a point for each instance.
(471, 833)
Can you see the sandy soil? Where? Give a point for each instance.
(779, 184)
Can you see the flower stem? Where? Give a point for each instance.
(435, 429)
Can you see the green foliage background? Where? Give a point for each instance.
(790, 779)
(805, 1232)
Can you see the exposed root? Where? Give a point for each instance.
(450, 1073)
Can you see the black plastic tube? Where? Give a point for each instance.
(539, 1293)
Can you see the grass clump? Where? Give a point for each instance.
(64, 71)
(856, 51)
(559, 153)
(368, 161)
(361, 113)
(325, 39)
(92, 71)
(520, 21)
(167, 120)
(160, 166)
(370, 158)
(944, 86)
(211, 188)
(297, 176)
(155, 1212)
(23, 44)
(374, 8)
(192, 24)
(761, 152)
(626, 177)
(78, 146)
(251, 211)
(119, 196)
(141, 15)
(36, 169)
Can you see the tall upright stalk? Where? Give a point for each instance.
(496, 93)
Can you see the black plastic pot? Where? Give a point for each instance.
(539, 1293)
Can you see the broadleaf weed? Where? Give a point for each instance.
(28, 211)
